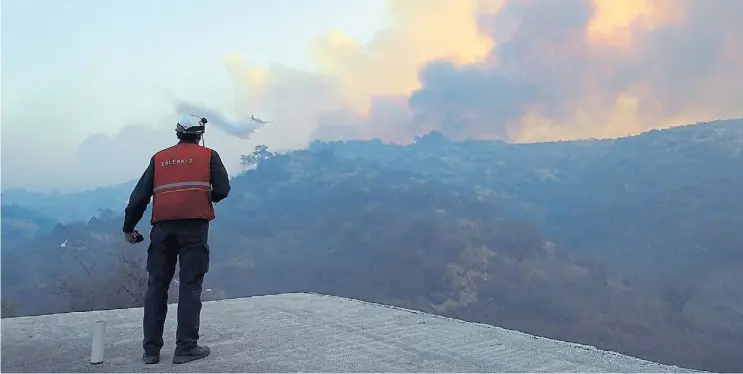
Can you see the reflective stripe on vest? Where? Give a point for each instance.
(183, 184)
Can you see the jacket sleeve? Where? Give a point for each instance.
(140, 198)
(220, 180)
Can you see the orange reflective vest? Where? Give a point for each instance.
(182, 188)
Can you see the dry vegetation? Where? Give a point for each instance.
(631, 245)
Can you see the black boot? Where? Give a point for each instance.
(150, 359)
(193, 354)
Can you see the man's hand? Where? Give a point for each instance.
(133, 237)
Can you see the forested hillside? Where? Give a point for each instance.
(71, 207)
(631, 244)
(20, 224)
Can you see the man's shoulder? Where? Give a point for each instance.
(186, 146)
(166, 149)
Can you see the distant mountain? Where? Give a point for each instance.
(20, 224)
(70, 207)
(633, 199)
(628, 244)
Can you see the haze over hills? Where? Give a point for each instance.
(630, 244)
(19, 224)
(70, 207)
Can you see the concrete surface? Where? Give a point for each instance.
(303, 333)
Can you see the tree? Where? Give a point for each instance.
(105, 214)
(678, 295)
(102, 215)
(121, 285)
(260, 153)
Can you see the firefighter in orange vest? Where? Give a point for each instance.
(183, 181)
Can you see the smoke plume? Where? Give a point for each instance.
(241, 129)
(522, 71)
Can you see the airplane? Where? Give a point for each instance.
(64, 244)
(260, 121)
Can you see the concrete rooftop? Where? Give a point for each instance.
(303, 333)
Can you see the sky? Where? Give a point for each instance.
(91, 89)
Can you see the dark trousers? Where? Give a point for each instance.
(170, 241)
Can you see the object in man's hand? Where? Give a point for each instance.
(138, 237)
(133, 237)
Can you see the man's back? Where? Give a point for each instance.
(184, 182)
(168, 168)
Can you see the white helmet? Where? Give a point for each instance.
(191, 124)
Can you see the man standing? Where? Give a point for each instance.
(184, 182)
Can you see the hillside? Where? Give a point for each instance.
(629, 244)
(71, 207)
(20, 224)
(675, 188)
